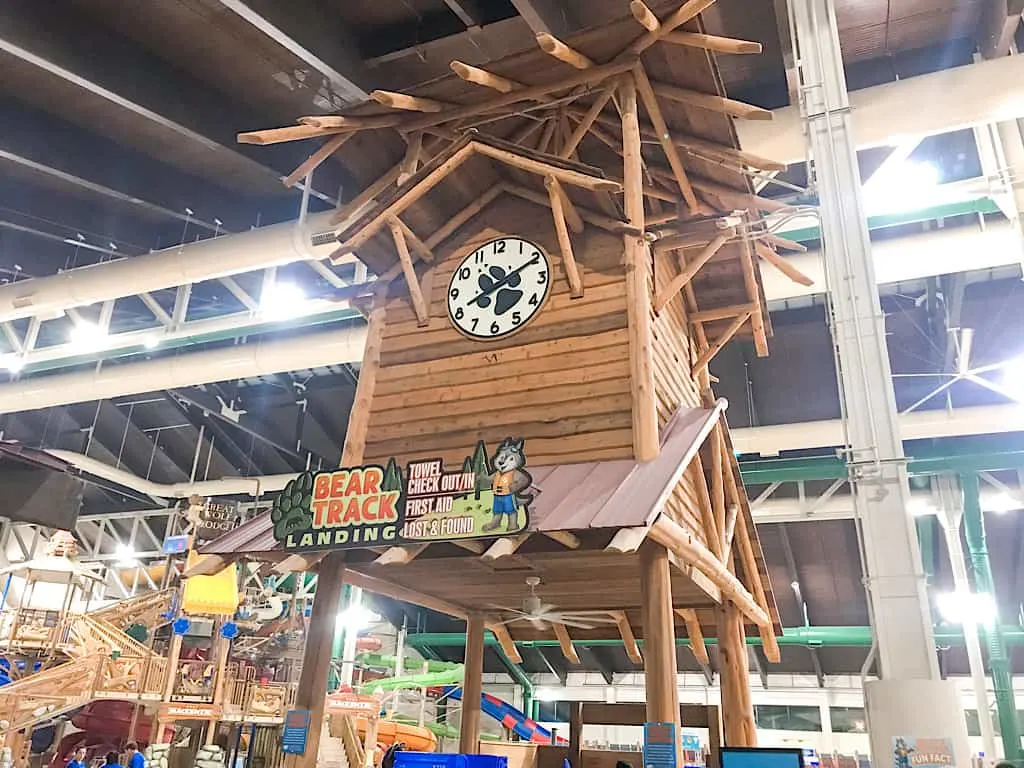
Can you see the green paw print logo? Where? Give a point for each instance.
(291, 510)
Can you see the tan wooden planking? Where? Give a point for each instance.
(498, 413)
(555, 354)
(558, 397)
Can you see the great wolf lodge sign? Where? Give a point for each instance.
(489, 495)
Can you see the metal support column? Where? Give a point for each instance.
(905, 645)
(896, 583)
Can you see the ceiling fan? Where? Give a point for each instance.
(539, 613)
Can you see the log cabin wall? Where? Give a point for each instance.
(562, 382)
(675, 388)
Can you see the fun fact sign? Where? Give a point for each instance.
(488, 495)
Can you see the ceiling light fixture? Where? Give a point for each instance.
(89, 336)
(282, 301)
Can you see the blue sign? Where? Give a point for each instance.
(660, 742)
(175, 545)
(295, 732)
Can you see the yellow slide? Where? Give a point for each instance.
(214, 595)
(415, 738)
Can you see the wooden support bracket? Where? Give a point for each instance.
(718, 486)
(565, 643)
(711, 102)
(708, 354)
(400, 555)
(565, 538)
(691, 269)
(644, 16)
(627, 540)
(504, 547)
(397, 592)
(695, 633)
(299, 562)
(411, 161)
(572, 272)
(688, 10)
(412, 281)
(628, 638)
(746, 552)
(288, 133)
(313, 162)
(780, 263)
(504, 638)
(587, 120)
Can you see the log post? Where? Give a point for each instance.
(316, 658)
(659, 636)
(737, 710)
(472, 686)
(646, 444)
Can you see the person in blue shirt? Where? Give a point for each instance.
(112, 760)
(135, 758)
(78, 759)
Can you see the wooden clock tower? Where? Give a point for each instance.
(557, 249)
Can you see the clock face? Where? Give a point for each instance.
(498, 288)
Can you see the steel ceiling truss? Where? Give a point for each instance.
(137, 324)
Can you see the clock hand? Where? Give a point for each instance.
(502, 282)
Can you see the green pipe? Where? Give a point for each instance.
(516, 673)
(979, 205)
(998, 659)
(848, 636)
(765, 471)
(410, 664)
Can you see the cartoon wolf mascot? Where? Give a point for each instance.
(509, 480)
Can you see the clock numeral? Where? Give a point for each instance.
(464, 273)
(542, 277)
(454, 293)
(517, 318)
(478, 257)
(475, 321)
(499, 246)
(459, 314)
(533, 300)
(495, 328)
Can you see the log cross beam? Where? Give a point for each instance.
(708, 354)
(694, 632)
(628, 638)
(769, 642)
(650, 100)
(565, 643)
(557, 197)
(690, 270)
(419, 304)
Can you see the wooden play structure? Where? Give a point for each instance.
(558, 246)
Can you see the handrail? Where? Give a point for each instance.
(354, 752)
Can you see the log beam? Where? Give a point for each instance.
(711, 102)
(680, 541)
(591, 217)
(452, 225)
(753, 288)
(419, 305)
(472, 686)
(409, 103)
(567, 539)
(720, 313)
(539, 167)
(660, 666)
(504, 547)
(400, 555)
(381, 586)
(713, 42)
(484, 78)
(572, 272)
(552, 46)
(644, 16)
(737, 709)
(288, 133)
(750, 569)
(646, 92)
(587, 120)
(718, 485)
(780, 263)
(411, 161)
(688, 10)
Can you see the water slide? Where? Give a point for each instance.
(449, 675)
(515, 720)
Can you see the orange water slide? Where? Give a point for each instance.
(415, 738)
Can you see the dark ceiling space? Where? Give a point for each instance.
(117, 136)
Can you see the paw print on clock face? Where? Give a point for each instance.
(506, 297)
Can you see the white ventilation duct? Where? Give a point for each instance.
(932, 253)
(840, 506)
(917, 425)
(226, 486)
(939, 102)
(48, 297)
(256, 358)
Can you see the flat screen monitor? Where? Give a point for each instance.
(752, 757)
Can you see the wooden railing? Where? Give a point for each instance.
(354, 752)
(145, 609)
